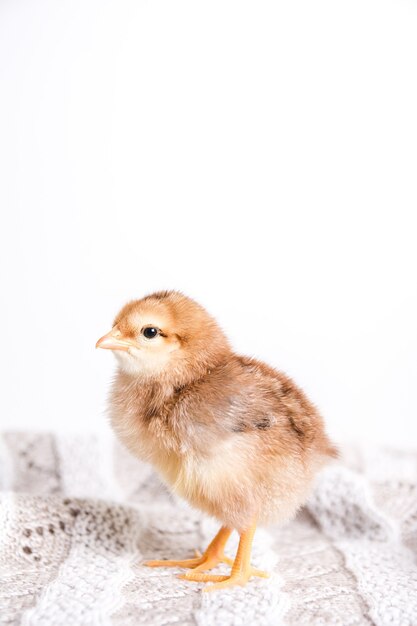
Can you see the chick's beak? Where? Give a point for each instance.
(114, 341)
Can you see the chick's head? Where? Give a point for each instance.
(165, 334)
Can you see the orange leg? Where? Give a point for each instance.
(213, 555)
(241, 568)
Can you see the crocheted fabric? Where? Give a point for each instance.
(78, 516)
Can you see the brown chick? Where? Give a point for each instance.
(233, 436)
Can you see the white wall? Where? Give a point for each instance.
(260, 156)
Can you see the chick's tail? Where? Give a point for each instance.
(332, 451)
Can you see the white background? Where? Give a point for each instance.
(260, 156)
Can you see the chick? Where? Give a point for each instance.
(234, 437)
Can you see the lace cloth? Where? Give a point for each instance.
(78, 516)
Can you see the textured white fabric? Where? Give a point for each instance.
(78, 516)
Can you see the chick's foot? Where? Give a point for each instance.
(211, 557)
(237, 578)
(241, 568)
(170, 563)
(200, 563)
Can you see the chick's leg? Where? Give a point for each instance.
(241, 568)
(213, 555)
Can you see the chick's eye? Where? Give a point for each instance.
(150, 332)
